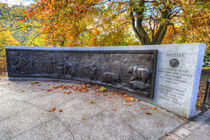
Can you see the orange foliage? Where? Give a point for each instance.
(61, 20)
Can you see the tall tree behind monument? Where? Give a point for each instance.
(73, 20)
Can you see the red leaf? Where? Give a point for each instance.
(148, 113)
(52, 109)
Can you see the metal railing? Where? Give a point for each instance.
(207, 94)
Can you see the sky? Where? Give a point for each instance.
(17, 2)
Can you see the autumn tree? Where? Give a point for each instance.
(6, 39)
(26, 32)
(70, 20)
(193, 25)
(195, 22)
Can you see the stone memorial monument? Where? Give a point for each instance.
(166, 75)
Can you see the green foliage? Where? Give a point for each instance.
(26, 32)
(102, 89)
(207, 56)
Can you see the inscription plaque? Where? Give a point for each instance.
(131, 70)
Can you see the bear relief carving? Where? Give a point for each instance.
(139, 77)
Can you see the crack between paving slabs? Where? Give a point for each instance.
(112, 114)
(182, 126)
(24, 101)
(55, 117)
(119, 119)
(15, 113)
(175, 129)
(122, 121)
(32, 128)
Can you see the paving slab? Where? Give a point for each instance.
(206, 114)
(24, 114)
(105, 126)
(51, 130)
(203, 132)
(155, 125)
(75, 109)
(22, 121)
(11, 108)
(196, 129)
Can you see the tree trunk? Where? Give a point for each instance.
(137, 24)
(158, 38)
(143, 36)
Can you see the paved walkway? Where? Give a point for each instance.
(24, 114)
(197, 129)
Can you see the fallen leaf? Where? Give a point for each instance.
(102, 89)
(109, 96)
(114, 109)
(104, 94)
(88, 85)
(52, 109)
(83, 86)
(60, 88)
(130, 104)
(83, 118)
(143, 108)
(91, 101)
(113, 93)
(183, 119)
(148, 113)
(67, 92)
(120, 93)
(111, 90)
(94, 87)
(154, 108)
(125, 95)
(84, 90)
(75, 88)
(60, 110)
(50, 89)
(129, 99)
(138, 100)
(124, 103)
(167, 134)
(35, 83)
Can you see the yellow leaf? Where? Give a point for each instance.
(154, 108)
(91, 101)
